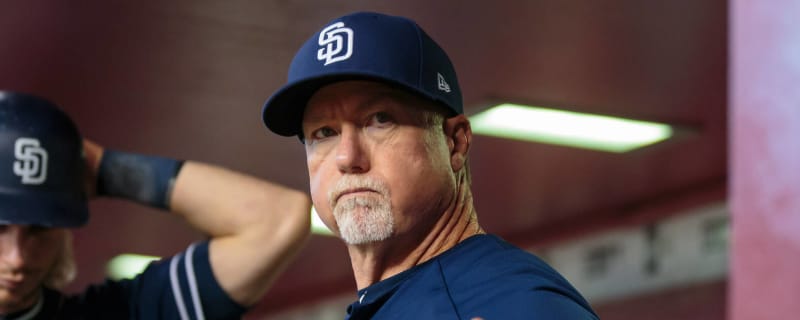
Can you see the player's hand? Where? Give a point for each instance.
(92, 153)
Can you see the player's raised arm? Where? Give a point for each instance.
(255, 226)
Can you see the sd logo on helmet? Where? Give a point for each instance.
(41, 164)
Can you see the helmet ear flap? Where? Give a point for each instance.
(41, 164)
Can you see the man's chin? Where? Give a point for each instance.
(362, 221)
(12, 300)
(360, 241)
(353, 237)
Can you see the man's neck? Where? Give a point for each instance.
(377, 261)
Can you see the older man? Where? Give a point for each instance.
(254, 226)
(377, 104)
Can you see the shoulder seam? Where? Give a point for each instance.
(447, 289)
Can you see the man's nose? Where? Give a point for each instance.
(13, 251)
(351, 154)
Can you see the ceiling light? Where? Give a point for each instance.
(127, 266)
(574, 129)
(317, 226)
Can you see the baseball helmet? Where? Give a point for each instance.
(41, 164)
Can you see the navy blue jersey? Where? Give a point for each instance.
(483, 276)
(182, 287)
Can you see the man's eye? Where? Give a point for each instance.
(323, 133)
(381, 118)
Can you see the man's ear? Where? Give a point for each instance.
(458, 133)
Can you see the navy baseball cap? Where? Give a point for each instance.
(369, 46)
(41, 164)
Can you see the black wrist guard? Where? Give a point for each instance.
(141, 178)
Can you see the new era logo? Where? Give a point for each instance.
(31, 163)
(442, 83)
(336, 41)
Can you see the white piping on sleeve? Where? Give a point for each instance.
(189, 263)
(176, 287)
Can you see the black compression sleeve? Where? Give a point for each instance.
(141, 178)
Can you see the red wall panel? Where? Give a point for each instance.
(765, 159)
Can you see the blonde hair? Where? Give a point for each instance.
(64, 268)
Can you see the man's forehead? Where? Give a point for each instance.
(357, 95)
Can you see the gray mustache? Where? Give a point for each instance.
(353, 182)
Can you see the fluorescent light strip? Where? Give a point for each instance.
(317, 226)
(127, 266)
(568, 128)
